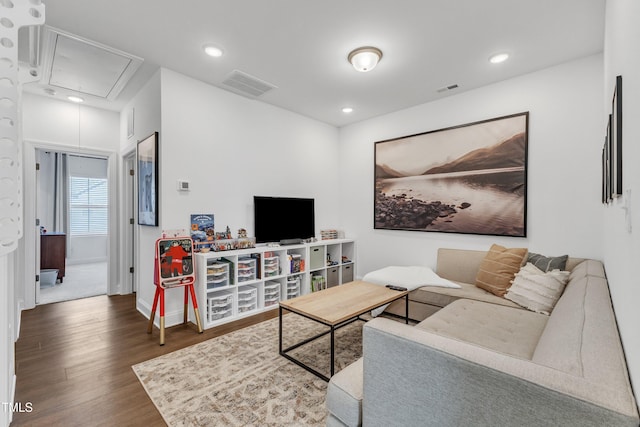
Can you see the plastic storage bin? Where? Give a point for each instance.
(271, 293)
(48, 277)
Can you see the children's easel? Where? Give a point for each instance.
(173, 268)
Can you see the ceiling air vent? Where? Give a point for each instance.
(447, 88)
(248, 85)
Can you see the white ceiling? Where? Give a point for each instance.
(301, 47)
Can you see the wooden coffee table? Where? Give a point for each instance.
(337, 307)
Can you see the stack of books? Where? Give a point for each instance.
(318, 283)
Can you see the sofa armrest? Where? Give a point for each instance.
(416, 378)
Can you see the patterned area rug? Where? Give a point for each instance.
(239, 379)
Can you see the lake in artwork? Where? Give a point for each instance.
(477, 202)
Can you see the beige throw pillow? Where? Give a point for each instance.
(499, 267)
(536, 290)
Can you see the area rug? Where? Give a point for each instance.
(239, 379)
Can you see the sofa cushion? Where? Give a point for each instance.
(344, 394)
(537, 290)
(506, 330)
(441, 297)
(545, 263)
(581, 335)
(499, 267)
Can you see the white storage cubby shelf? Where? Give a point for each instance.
(239, 283)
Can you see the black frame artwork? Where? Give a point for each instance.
(607, 175)
(612, 149)
(616, 141)
(470, 179)
(147, 164)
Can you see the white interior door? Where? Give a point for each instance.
(130, 205)
(37, 239)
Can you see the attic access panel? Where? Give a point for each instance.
(84, 66)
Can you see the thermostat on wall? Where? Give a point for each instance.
(183, 185)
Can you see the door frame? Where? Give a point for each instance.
(129, 235)
(30, 269)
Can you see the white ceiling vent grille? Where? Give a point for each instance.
(83, 66)
(246, 84)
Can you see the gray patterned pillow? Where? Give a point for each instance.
(547, 263)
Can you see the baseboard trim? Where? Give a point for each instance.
(171, 318)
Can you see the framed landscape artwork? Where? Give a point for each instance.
(147, 162)
(616, 139)
(464, 179)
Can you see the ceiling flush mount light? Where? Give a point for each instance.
(347, 110)
(498, 58)
(76, 99)
(365, 58)
(212, 50)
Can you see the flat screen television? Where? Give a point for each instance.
(283, 219)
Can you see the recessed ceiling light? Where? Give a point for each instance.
(75, 99)
(347, 109)
(498, 58)
(212, 50)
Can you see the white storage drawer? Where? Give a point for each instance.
(271, 266)
(219, 306)
(293, 288)
(271, 293)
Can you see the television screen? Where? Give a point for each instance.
(283, 218)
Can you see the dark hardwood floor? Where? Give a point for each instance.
(73, 361)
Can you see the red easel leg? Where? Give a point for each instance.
(153, 312)
(161, 315)
(195, 307)
(186, 305)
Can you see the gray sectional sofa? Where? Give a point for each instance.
(479, 359)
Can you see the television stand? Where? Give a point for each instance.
(285, 242)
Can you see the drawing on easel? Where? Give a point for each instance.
(175, 256)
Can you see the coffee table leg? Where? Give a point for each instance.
(332, 350)
(406, 309)
(280, 331)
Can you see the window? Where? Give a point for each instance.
(88, 203)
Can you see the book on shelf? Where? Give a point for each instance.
(202, 231)
(318, 283)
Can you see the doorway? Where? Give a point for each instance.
(72, 208)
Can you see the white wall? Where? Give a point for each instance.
(565, 138)
(62, 126)
(231, 148)
(147, 119)
(75, 126)
(622, 248)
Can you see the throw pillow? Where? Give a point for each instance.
(499, 267)
(548, 263)
(537, 290)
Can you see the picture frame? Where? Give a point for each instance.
(607, 175)
(616, 139)
(469, 179)
(147, 168)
